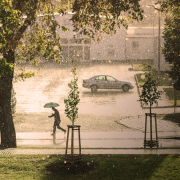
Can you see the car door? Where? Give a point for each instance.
(101, 82)
(112, 83)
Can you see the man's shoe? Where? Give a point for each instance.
(53, 134)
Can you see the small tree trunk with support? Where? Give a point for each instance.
(150, 122)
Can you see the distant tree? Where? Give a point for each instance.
(28, 30)
(171, 36)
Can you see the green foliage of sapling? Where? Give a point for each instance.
(71, 109)
(149, 94)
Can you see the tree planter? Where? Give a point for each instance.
(151, 143)
(72, 157)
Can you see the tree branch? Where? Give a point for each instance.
(31, 16)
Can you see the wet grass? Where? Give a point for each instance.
(162, 79)
(138, 67)
(107, 167)
(170, 94)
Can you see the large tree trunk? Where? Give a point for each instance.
(8, 134)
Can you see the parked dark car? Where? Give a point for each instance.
(106, 82)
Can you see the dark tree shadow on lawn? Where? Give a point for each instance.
(63, 170)
(115, 167)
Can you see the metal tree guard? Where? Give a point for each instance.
(73, 157)
(151, 143)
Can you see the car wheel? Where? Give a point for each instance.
(93, 88)
(125, 88)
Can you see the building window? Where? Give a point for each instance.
(111, 50)
(135, 46)
(64, 53)
(75, 53)
(64, 40)
(86, 53)
(98, 53)
(87, 41)
(80, 41)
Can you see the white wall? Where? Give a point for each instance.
(132, 44)
(110, 48)
(144, 48)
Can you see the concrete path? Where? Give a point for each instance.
(97, 140)
(94, 143)
(129, 141)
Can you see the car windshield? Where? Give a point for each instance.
(109, 78)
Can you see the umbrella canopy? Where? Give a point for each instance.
(51, 104)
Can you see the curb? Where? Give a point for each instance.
(88, 151)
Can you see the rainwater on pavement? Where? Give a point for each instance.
(50, 84)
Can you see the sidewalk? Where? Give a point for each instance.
(97, 140)
(129, 141)
(94, 143)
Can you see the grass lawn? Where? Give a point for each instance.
(138, 67)
(96, 167)
(170, 93)
(162, 79)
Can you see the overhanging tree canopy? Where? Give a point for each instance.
(93, 17)
(28, 29)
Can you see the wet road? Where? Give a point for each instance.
(51, 84)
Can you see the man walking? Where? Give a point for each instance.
(57, 121)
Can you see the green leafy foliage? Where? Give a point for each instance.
(171, 36)
(29, 29)
(10, 22)
(5, 68)
(93, 17)
(149, 94)
(71, 109)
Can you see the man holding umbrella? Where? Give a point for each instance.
(57, 121)
(56, 116)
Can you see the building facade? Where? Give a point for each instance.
(132, 45)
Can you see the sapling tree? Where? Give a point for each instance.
(71, 109)
(149, 94)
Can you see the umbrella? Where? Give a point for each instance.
(51, 104)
